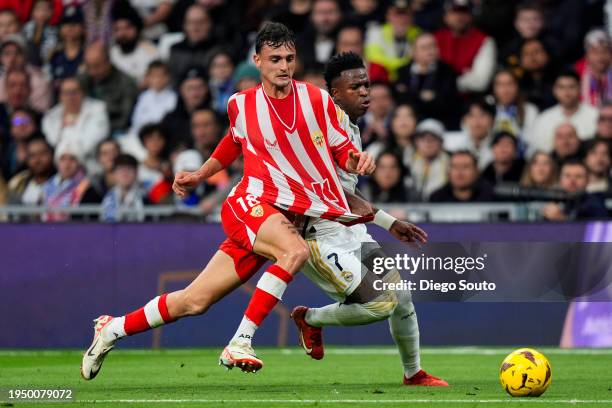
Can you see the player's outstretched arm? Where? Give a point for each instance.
(226, 153)
(402, 230)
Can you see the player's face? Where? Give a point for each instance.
(276, 65)
(352, 92)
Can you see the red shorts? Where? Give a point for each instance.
(241, 218)
(246, 262)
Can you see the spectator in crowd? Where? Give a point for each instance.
(429, 163)
(429, 84)
(537, 73)
(157, 99)
(597, 161)
(568, 109)
(514, 114)
(40, 34)
(130, 53)
(604, 121)
(220, 81)
(470, 52)
(17, 85)
(477, 133)
(528, 25)
(465, 184)
(161, 193)
(565, 21)
(70, 186)
(401, 129)
(78, 119)
(387, 183)
(364, 13)
(581, 205)
(23, 9)
(194, 94)
(390, 44)
(24, 123)
(316, 43)
(292, 13)
(595, 69)
(9, 24)
(507, 166)
(125, 200)
(26, 187)
(99, 19)
(205, 131)
(105, 82)
(350, 39)
(154, 138)
(246, 76)
(106, 153)
(566, 144)
(375, 123)
(13, 57)
(153, 14)
(540, 172)
(197, 47)
(67, 58)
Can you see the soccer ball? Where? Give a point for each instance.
(525, 373)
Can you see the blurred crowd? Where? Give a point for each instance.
(102, 101)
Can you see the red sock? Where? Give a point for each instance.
(153, 314)
(268, 292)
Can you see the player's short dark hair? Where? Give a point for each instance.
(466, 153)
(125, 160)
(338, 64)
(274, 35)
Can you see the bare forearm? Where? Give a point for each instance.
(209, 169)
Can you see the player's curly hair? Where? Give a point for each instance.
(274, 35)
(340, 63)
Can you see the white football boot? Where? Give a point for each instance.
(242, 356)
(96, 353)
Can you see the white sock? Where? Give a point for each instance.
(405, 331)
(245, 332)
(114, 330)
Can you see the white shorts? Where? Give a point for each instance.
(335, 260)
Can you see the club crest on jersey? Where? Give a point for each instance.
(317, 138)
(348, 276)
(257, 211)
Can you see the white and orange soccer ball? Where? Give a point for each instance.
(525, 373)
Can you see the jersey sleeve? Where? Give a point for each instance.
(227, 150)
(337, 135)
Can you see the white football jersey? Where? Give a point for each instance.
(347, 180)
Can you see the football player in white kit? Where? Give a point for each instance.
(339, 254)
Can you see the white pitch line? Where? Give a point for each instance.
(365, 351)
(339, 401)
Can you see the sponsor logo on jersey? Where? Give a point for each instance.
(257, 211)
(271, 144)
(317, 138)
(348, 276)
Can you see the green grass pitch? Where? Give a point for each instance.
(346, 377)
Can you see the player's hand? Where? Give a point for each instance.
(184, 182)
(360, 163)
(407, 232)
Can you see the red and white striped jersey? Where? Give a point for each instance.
(292, 165)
